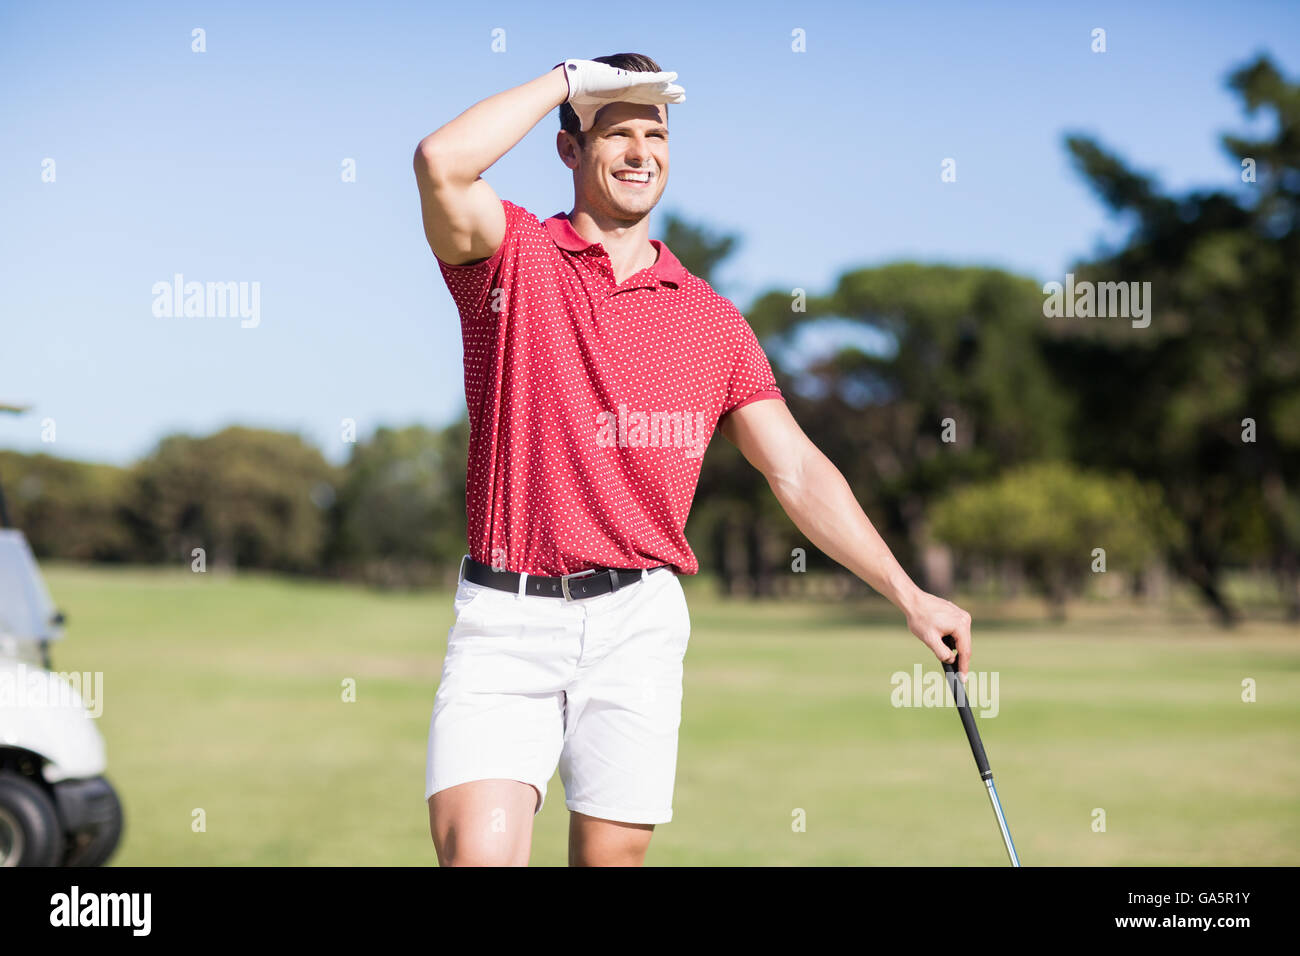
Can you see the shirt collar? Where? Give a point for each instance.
(666, 267)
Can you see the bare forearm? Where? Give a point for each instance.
(820, 503)
(464, 148)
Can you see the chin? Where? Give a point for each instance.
(637, 208)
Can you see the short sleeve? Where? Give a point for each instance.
(751, 373)
(471, 284)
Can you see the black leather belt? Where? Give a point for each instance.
(570, 587)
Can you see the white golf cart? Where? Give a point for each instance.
(56, 807)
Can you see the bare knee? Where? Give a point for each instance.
(483, 824)
(596, 842)
(457, 848)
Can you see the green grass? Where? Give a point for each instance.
(225, 694)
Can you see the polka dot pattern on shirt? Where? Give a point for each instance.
(591, 401)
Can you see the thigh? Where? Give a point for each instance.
(499, 709)
(483, 823)
(619, 759)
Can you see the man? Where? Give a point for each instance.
(596, 369)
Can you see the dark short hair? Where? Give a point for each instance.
(638, 62)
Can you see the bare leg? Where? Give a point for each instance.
(484, 823)
(596, 842)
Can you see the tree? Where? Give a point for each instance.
(68, 509)
(400, 513)
(1050, 517)
(250, 498)
(1206, 399)
(956, 389)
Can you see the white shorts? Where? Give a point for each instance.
(592, 685)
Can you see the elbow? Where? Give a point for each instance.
(791, 478)
(433, 162)
(428, 156)
(786, 482)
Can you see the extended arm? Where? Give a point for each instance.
(818, 500)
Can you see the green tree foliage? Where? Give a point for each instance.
(960, 344)
(67, 509)
(697, 247)
(250, 498)
(1170, 402)
(400, 514)
(1049, 517)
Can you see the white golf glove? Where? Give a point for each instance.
(593, 85)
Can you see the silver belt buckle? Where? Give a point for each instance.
(564, 581)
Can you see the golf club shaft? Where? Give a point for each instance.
(977, 748)
(1002, 821)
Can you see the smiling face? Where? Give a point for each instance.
(621, 169)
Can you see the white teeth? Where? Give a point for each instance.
(632, 177)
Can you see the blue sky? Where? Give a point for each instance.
(225, 166)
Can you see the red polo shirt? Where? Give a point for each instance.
(591, 401)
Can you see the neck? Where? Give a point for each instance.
(626, 241)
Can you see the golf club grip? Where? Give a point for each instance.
(964, 711)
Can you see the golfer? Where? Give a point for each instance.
(596, 370)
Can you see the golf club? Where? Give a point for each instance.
(977, 747)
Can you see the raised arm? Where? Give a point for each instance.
(818, 500)
(463, 218)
